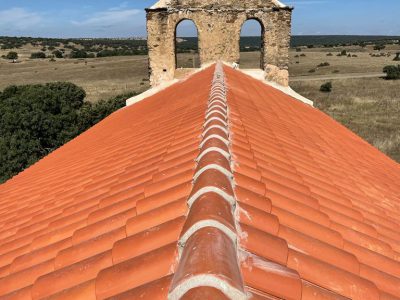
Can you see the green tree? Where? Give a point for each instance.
(58, 54)
(379, 47)
(326, 87)
(392, 72)
(12, 55)
(37, 119)
(78, 54)
(38, 55)
(397, 58)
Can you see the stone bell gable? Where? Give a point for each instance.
(219, 24)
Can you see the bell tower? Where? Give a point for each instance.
(219, 24)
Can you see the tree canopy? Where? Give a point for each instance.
(12, 55)
(392, 72)
(37, 119)
(38, 55)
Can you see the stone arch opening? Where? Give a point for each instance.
(186, 45)
(252, 44)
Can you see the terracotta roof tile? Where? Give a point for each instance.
(84, 291)
(219, 187)
(311, 291)
(157, 290)
(71, 276)
(136, 272)
(147, 241)
(89, 248)
(271, 278)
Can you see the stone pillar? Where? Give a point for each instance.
(277, 41)
(161, 45)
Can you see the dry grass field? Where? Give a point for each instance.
(368, 106)
(363, 63)
(101, 78)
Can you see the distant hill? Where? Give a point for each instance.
(250, 43)
(317, 40)
(138, 46)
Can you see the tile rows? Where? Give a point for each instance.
(237, 193)
(208, 263)
(101, 217)
(318, 206)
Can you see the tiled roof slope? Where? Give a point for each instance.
(219, 187)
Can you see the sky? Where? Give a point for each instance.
(118, 18)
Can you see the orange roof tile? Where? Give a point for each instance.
(219, 187)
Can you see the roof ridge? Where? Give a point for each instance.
(212, 207)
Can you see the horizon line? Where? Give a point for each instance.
(145, 37)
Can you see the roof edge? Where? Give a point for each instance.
(164, 85)
(259, 75)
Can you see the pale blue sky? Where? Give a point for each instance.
(118, 18)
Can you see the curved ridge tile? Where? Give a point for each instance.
(208, 263)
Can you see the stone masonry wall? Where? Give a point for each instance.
(219, 35)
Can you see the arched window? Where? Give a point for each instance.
(187, 45)
(252, 45)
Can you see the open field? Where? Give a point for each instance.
(100, 77)
(309, 59)
(363, 63)
(369, 107)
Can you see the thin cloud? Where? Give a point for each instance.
(111, 17)
(18, 19)
(307, 2)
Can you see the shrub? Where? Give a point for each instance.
(78, 54)
(329, 54)
(312, 71)
(12, 56)
(343, 53)
(325, 64)
(38, 55)
(326, 87)
(303, 55)
(397, 58)
(392, 72)
(379, 47)
(58, 54)
(298, 49)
